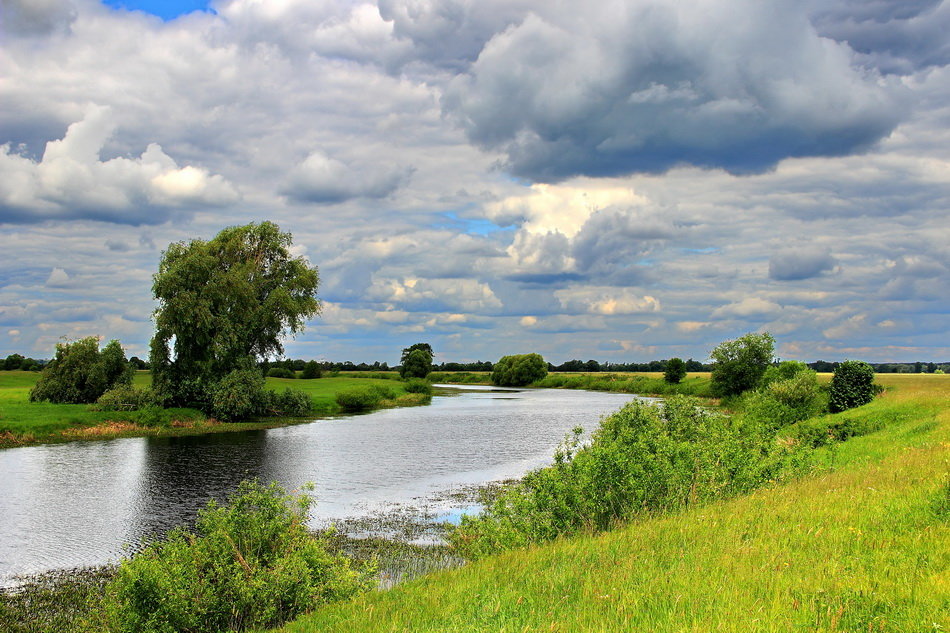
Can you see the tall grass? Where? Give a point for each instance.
(859, 545)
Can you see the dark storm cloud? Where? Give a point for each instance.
(649, 85)
(895, 36)
(35, 17)
(800, 263)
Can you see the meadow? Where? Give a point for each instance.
(859, 544)
(23, 422)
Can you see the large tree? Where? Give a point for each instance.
(224, 305)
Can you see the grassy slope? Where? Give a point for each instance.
(24, 422)
(864, 545)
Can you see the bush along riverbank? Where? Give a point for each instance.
(843, 537)
(23, 423)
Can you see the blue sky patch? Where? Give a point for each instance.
(165, 9)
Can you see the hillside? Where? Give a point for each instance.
(860, 545)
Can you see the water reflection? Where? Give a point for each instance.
(83, 503)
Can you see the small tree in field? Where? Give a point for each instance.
(311, 370)
(675, 371)
(80, 373)
(740, 364)
(519, 370)
(851, 386)
(418, 364)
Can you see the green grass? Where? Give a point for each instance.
(859, 545)
(23, 422)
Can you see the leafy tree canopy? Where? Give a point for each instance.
(225, 304)
(519, 370)
(80, 373)
(425, 347)
(417, 364)
(740, 363)
(851, 386)
(675, 371)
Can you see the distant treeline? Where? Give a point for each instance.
(17, 361)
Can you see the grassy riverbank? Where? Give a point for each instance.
(859, 545)
(642, 383)
(23, 422)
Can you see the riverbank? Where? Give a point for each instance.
(25, 423)
(854, 546)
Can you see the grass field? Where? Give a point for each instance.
(23, 422)
(862, 544)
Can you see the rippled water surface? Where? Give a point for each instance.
(83, 503)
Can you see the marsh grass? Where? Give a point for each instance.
(55, 602)
(858, 545)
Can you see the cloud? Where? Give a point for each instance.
(58, 278)
(33, 18)
(652, 85)
(324, 180)
(72, 182)
(606, 301)
(895, 36)
(800, 263)
(750, 307)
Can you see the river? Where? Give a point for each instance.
(86, 503)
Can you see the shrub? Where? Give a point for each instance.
(153, 416)
(280, 372)
(675, 371)
(239, 395)
(783, 371)
(125, 398)
(852, 385)
(417, 385)
(311, 370)
(644, 457)
(289, 402)
(358, 399)
(249, 564)
(740, 364)
(80, 373)
(519, 370)
(787, 401)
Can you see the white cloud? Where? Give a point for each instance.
(324, 180)
(71, 181)
(748, 307)
(58, 278)
(606, 301)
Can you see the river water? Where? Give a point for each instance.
(86, 503)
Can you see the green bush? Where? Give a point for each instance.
(851, 386)
(280, 372)
(644, 457)
(239, 395)
(249, 564)
(311, 370)
(675, 371)
(289, 402)
(786, 401)
(125, 398)
(519, 370)
(152, 416)
(80, 373)
(358, 399)
(418, 385)
(740, 364)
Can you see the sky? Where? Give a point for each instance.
(611, 180)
